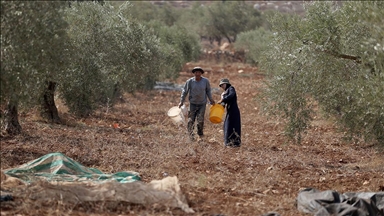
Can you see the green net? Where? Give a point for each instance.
(58, 167)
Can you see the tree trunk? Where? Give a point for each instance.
(11, 119)
(218, 41)
(211, 40)
(49, 109)
(228, 38)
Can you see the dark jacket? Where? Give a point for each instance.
(232, 123)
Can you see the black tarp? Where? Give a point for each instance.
(330, 202)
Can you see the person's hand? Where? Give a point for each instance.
(212, 102)
(219, 101)
(180, 104)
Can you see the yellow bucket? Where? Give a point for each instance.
(216, 113)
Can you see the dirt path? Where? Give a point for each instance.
(269, 170)
(264, 175)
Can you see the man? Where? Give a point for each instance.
(198, 88)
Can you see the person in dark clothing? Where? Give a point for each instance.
(232, 122)
(199, 89)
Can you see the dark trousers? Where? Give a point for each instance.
(232, 127)
(196, 111)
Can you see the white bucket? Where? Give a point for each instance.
(176, 114)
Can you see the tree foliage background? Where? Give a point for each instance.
(229, 18)
(330, 60)
(93, 52)
(333, 59)
(255, 42)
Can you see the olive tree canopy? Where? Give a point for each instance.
(332, 58)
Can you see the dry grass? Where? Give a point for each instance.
(264, 175)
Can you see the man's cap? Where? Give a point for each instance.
(197, 69)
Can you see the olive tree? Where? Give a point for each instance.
(179, 46)
(112, 54)
(33, 43)
(332, 58)
(192, 19)
(146, 11)
(254, 42)
(229, 18)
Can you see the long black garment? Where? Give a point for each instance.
(232, 123)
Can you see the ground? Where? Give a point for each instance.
(264, 175)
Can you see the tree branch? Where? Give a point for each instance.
(357, 59)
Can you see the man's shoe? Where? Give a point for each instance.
(230, 145)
